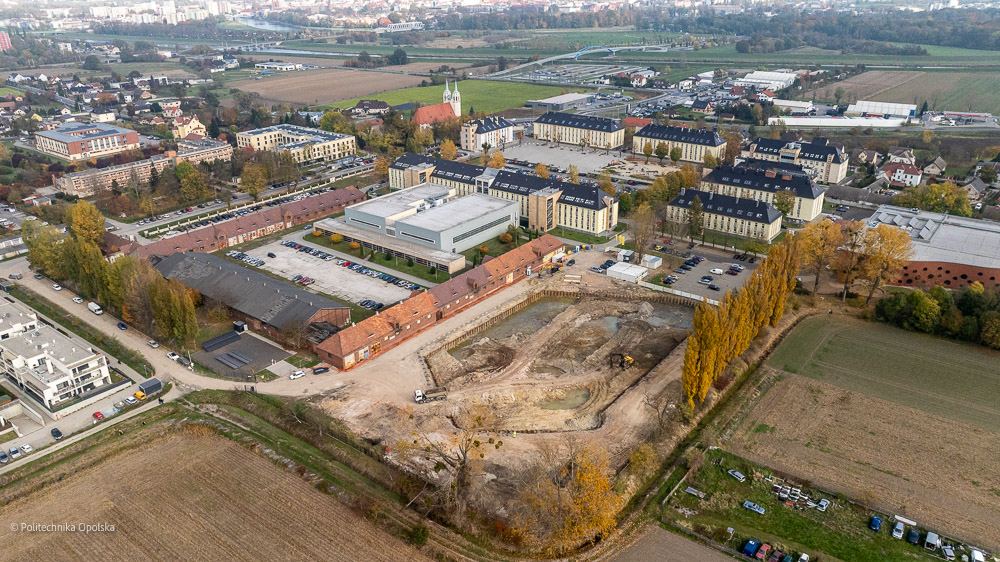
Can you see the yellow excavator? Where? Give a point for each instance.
(621, 361)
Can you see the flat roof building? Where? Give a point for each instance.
(305, 144)
(81, 141)
(561, 103)
(544, 204)
(434, 215)
(947, 250)
(763, 80)
(694, 143)
(882, 109)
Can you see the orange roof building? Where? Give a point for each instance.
(450, 107)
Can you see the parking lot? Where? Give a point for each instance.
(714, 259)
(328, 277)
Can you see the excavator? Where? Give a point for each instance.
(552, 267)
(621, 361)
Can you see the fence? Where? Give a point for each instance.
(682, 294)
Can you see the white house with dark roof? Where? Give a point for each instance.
(495, 131)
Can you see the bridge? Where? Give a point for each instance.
(612, 51)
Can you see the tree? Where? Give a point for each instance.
(574, 174)
(927, 136)
(989, 333)
(194, 187)
(183, 170)
(784, 201)
(849, 259)
(253, 179)
(520, 137)
(675, 154)
(887, 250)
(988, 174)
(542, 171)
(695, 224)
(647, 150)
(643, 229)
(661, 151)
(625, 203)
(710, 161)
(91, 63)
(448, 150)
(486, 150)
(355, 247)
(382, 167)
(820, 242)
(397, 58)
(497, 161)
(606, 185)
(86, 223)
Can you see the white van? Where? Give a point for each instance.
(95, 308)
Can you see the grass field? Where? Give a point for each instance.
(840, 533)
(954, 91)
(575, 39)
(482, 95)
(5, 90)
(328, 85)
(940, 377)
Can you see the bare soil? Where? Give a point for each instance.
(938, 472)
(864, 86)
(323, 86)
(186, 497)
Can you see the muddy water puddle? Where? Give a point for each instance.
(573, 398)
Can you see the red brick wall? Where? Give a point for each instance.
(949, 275)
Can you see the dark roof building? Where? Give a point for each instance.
(681, 134)
(738, 216)
(761, 180)
(806, 150)
(575, 121)
(265, 303)
(490, 124)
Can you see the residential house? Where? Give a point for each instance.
(702, 106)
(976, 188)
(371, 107)
(901, 154)
(901, 174)
(185, 127)
(865, 156)
(936, 167)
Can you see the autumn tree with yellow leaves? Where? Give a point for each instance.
(721, 333)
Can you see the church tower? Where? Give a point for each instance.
(456, 101)
(446, 96)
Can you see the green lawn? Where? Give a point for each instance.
(840, 533)
(481, 95)
(418, 271)
(5, 90)
(581, 237)
(495, 248)
(945, 378)
(955, 91)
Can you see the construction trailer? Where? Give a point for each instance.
(627, 272)
(651, 262)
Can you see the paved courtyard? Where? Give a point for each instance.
(586, 160)
(331, 278)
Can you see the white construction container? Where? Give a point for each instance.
(627, 272)
(651, 262)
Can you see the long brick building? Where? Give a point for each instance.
(388, 328)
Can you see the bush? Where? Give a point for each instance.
(336, 238)
(506, 238)
(387, 257)
(419, 535)
(409, 262)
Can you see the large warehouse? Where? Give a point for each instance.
(947, 250)
(433, 215)
(268, 305)
(80, 141)
(763, 80)
(882, 109)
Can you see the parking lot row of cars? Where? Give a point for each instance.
(256, 262)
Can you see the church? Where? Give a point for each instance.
(450, 106)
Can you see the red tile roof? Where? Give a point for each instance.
(430, 114)
(384, 323)
(637, 122)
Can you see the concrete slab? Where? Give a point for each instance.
(331, 278)
(263, 355)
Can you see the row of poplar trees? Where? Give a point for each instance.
(721, 333)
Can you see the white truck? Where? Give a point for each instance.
(95, 308)
(430, 395)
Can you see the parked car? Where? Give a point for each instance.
(715, 271)
(876, 523)
(139, 395)
(897, 530)
(3, 457)
(762, 552)
(77, 300)
(776, 557)
(296, 375)
(15, 453)
(750, 548)
(714, 287)
(153, 344)
(131, 401)
(753, 507)
(56, 287)
(122, 326)
(804, 557)
(56, 434)
(173, 356)
(27, 448)
(98, 416)
(913, 537)
(823, 504)
(320, 370)
(737, 475)
(271, 255)
(706, 280)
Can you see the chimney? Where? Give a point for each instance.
(770, 174)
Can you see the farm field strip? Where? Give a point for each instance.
(876, 359)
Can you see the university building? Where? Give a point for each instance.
(569, 128)
(543, 204)
(80, 141)
(762, 180)
(305, 144)
(746, 218)
(694, 143)
(87, 183)
(823, 161)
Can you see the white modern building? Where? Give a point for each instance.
(886, 110)
(495, 131)
(43, 363)
(762, 80)
(433, 215)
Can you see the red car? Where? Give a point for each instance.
(762, 553)
(98, 416)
